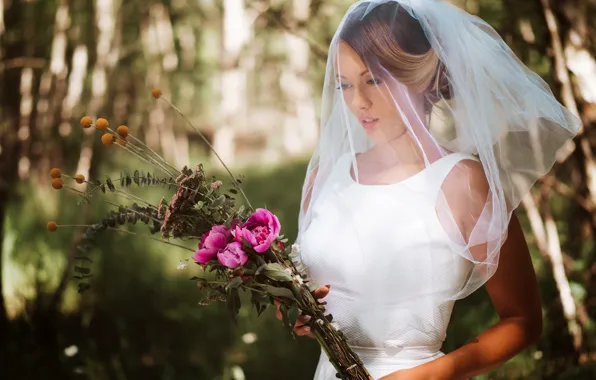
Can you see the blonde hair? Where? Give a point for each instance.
(390, 41)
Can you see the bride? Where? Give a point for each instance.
(432, 131)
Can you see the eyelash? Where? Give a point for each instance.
(374, 82)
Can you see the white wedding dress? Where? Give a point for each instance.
(361, 250)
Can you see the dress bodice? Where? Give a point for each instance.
(389, 261)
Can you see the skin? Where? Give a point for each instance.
(513, 288)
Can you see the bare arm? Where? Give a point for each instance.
(513, 290)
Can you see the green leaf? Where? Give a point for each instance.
(285, 317)
(234, 284)
(110, 184)
(278, 291)
(293, 313)
(83, 287)
(121, 179)
(82, 270)
(219, 201)
(143, 179)
(84, 258)
(275, 272)
(136, 177)
(233, 303)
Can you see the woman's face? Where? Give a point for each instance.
(374, 101)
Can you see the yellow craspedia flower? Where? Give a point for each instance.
(55, 173)
(122, 142)
(52, 226)
(107, 139)
(86, 122)
(57, 183)
(102, 124)
(156, 93)
(122, 131)
(80, 178)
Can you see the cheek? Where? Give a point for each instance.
(384, 102)
(348, 96)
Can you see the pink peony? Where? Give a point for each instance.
(233, 255)
(211, 243)
(260, 230)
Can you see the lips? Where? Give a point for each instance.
(369, 122)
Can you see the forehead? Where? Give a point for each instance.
(347, 61)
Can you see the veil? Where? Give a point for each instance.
(410, 84)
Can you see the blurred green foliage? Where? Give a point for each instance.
(141, 318)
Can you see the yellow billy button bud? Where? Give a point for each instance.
(52, 226)
(122, 131)
(86, 122)
(102, 124)
(57, 183)
(55, 173)
(156, 93)
(107, 139)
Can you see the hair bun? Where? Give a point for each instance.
(440, 87)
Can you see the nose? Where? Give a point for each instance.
(360, 101)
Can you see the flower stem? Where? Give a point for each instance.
(211, 148)
(151, 238)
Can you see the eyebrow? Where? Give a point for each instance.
(361, 74)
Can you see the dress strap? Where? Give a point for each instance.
(442, 167)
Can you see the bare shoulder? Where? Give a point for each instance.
(467, 179)
(466, 190)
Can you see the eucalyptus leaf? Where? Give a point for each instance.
(82, 270)
(233, 302)
(278, 291)
(234, 284)
(276, 272)
(110, 184)
(285, 317)
(293, 313)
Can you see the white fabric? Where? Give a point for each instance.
(409, 252)
(408, 83)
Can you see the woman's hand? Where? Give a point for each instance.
(301, 327)
(422, 372)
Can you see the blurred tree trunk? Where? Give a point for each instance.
(300, 130)
(14, 58)
(547, 240)
(570, 45)
(233, 96)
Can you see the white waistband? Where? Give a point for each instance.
(398, 353)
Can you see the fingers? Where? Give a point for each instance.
(322, 291)
(277, 310)
(301, 327)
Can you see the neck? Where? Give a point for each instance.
(399, 150)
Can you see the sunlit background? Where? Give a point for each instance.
(248, 75)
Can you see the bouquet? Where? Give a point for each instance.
(239, 248)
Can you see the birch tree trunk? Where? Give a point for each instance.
(547, 240)
(300, 129)
(233, 97)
